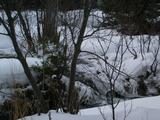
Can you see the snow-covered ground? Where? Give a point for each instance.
(103, 41)
(137, 109)
(11, 70)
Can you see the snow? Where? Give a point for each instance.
(12, 73)
(133, 66)
(4, 40)
(11, 70)
(137, 109)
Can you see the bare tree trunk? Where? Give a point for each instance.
(10, 28)
(72, 83)
(77, 50)
(112, 99)
(51, 21)
(27, 33)
(38, 26)
(149, 43)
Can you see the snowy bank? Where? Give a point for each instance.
(11, 70)
(138, 109)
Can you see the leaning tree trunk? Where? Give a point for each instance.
(10, 28)
(71, 92)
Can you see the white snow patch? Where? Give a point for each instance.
(138, 109)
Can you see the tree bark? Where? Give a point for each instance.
(71, 92)
(27, 33)
(51, 21)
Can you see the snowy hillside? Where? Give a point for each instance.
(129, 65)
(135, 61)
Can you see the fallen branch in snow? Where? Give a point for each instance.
(4, 34)
(8, 57)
